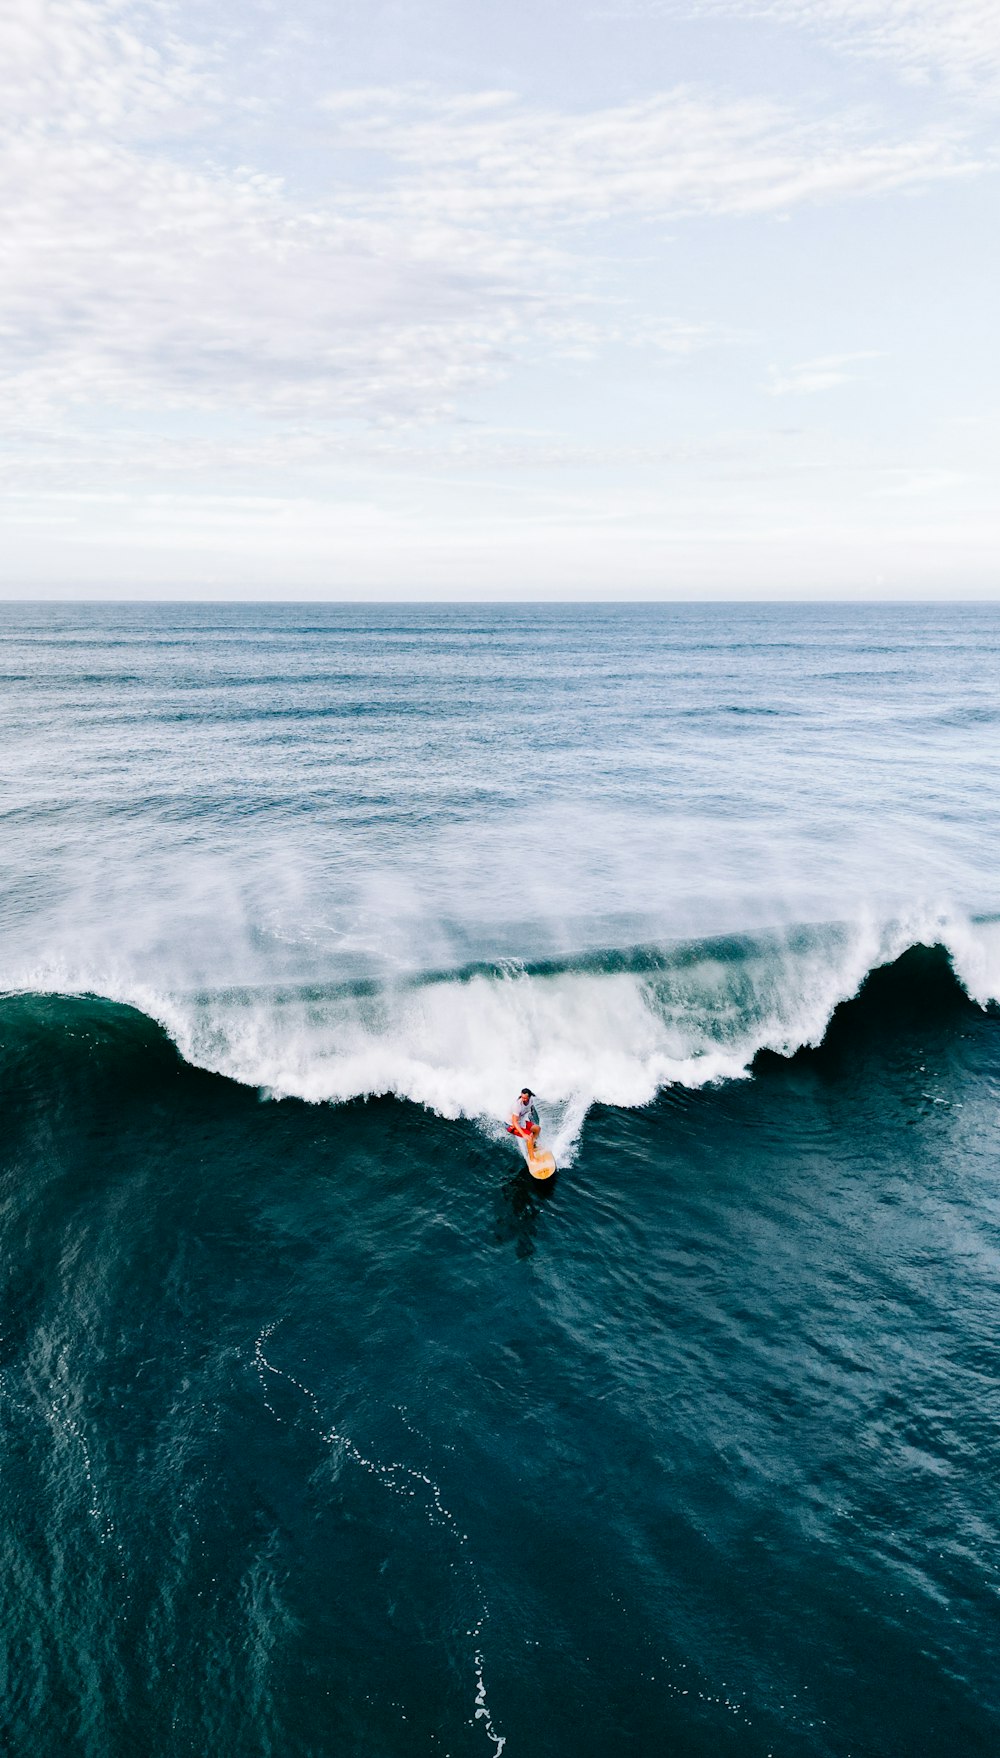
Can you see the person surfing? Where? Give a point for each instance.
(525, 1125)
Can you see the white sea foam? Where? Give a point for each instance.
(463, 1045)
(975, 955)
(264, 809)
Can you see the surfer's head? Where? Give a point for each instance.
(526, 1093)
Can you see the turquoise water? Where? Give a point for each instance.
(323, 1430)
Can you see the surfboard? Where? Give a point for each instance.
(540, 1164)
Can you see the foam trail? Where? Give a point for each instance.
(400, 1479)
(568, 1129)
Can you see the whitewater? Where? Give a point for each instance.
(437, 852)
(440, 851)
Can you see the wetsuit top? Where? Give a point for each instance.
(526, 1114)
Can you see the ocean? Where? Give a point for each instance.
(324, 1430)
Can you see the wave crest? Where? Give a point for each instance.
(611, 1029)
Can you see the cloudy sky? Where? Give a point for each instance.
(500, 298)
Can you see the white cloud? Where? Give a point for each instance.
(132, 280)
(491, 161)
(822, 374)
(220, 347)
(76, 66)
(956, 41)
(138, 274)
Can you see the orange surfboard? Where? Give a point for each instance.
(540, 1163)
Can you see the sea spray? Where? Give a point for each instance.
(612, 1029)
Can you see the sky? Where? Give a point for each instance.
(494, 299)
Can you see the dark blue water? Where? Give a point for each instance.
(324, 1430)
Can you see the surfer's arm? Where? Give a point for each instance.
(527, 1134)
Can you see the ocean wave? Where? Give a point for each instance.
(612, 1028)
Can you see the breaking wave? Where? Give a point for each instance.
(611, 1028)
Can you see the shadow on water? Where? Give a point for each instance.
(519, 1206)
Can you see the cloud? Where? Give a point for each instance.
(132, 280)
(139, 273)
(954, 41)
(491, 161)
(823, 374)
(957, 41)
(76, 66)
(440, 240)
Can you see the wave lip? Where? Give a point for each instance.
(612, 1029)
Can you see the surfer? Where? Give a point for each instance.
(524, 1121)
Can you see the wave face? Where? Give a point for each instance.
(611, 1030)
(440, 852)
